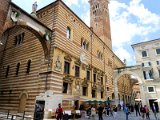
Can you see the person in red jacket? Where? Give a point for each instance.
(59, 112)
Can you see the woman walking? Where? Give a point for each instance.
(147, 112)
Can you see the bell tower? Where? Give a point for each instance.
(99, 20)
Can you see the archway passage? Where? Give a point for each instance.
(127, 73)
(22, 103)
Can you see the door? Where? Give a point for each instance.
(151, 101)
(22, 103)
(39, 110)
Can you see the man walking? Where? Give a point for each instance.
(154, 110)
(100, 112)
(137, 109)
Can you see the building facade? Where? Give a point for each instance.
(71, 60)
(147, 55)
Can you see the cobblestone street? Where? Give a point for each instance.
(121, 116)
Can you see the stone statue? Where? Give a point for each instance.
(58, 65)
(34, 7)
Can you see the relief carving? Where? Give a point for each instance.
(58, 65)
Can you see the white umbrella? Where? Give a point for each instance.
(138, 99)
(75, 98)
(158, 100)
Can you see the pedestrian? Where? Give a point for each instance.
(115, 112)
(93, 113)
(100, 112)
(111, 110)
(147, 112)
(107, 108)
(59, 112)
(126, 111)
(154, 110)
(137, 109)
(143, 111)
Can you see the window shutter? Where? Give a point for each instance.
(144, 74)
(142, 64)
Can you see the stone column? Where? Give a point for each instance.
(116, 91)
(4, 7)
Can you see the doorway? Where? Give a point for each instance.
(22, 103)
(39, 110)
(151, 101)
(76, 104)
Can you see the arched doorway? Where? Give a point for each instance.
(22, 102)
(130, 71)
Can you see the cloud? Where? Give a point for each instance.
(129, 21)
(126, 55)
(71, 2)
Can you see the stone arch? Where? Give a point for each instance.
(38, 34)
(129, 71)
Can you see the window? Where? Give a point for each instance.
(151, 89)
(17, 69)
(158, 51)
(65, 87)
(107, 88)
(148, 74)
(144, 53)
(158, 62)
(94, 77)
(159, 73)
(88, 75)
(146, 64)
(99, 55)
(7, 71)
(19, 39)
(84, 44)
(84, 91)
(68, 33)
(101, 94)
(28, 66)
(101, 80)
(66, 67)
(77, 71)
(93, 93)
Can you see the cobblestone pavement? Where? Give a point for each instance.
(121, 116)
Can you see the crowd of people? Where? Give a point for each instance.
(111, 110)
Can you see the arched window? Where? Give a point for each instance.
(17, 68)
(28, 66)
(68, 33)
(7, 71)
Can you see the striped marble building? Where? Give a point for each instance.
(71, 60)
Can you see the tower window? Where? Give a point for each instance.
(94, 77)
(17, 69)
(88, 75)
(7, 71)
(68, 33)
(101, 94)
(19, 39)
(93, 93)
(28, 66)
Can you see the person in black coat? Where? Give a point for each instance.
(100, 112)
(154, 110)
(137, 109)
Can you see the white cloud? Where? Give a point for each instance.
(123, 54)
(128, 21)
(71, 2)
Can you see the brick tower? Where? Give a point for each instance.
(100, 22)
(4, 6)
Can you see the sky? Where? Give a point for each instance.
(132, 21)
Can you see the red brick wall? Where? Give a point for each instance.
(4, 5)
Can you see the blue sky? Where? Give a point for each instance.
(132, 21)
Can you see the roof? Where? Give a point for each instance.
(158, 39)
